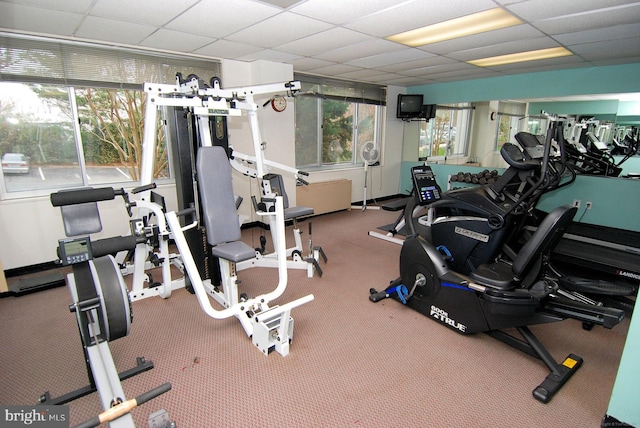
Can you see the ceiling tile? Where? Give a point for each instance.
(219, 18)
(597, 19)
(359, 50)
(269, 55)
(158, 13)
(282, 3)
(175, 41)
(78, 6)
(402, 67)
(437, 69)
(599, 34)
(503, 49)
(518, 32)
(340, 12)
(227, 49)
(279, 29)
(362, 74)
(335, 69)
(608, 49)
(401, 55)
(415, 14)
(536, 10)
(113, 31)
(541, 65)
(463, 74)
(343, 38)
(616, 61)
(32, 19)
(325, 41)
(307, 64)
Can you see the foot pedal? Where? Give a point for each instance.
(320, 251)
(317, 252)
(596, 286)
(557, 378)
(315, 264)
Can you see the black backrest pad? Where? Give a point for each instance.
(219, 215)
(545, 238)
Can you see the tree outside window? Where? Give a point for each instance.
(106, 147)
(330, 132)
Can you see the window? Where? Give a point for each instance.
(76, 113)
(331, 129)
(106, 146)
(510, 122)
(446, 134)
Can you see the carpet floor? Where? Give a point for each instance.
(352, 363)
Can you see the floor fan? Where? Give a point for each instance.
(370, 155)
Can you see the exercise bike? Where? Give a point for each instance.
(101, 304)
(497, 295)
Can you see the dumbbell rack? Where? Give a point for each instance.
(468, 178)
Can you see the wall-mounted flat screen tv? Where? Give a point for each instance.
(409, 106)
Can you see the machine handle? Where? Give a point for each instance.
(114, 245)
(124, 408)
(81, 196)
(186, 212)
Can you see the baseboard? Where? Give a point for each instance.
(611, 422)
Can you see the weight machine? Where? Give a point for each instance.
(203, 102)
(101, 302)
(214, 203)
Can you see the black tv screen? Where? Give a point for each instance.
(409, 105)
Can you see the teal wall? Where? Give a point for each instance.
(577, 81)
(623, 404)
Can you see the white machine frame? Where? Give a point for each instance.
(141, 264)
(214, 101)
(269, 327)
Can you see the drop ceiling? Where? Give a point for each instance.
(343, 39)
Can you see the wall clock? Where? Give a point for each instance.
(279, 103)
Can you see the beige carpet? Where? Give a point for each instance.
(352, 362)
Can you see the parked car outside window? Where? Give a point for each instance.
(15, 163)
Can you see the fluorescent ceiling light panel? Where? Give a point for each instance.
(492, 19)
(521, 57)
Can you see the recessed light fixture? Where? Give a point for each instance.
(521, 57)
(488, 20)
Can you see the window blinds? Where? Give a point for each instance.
(341, 90)
(52, 61)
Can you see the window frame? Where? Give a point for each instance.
(27, 59)
(72, 94)
(424, 152)
(356, 161)
(355, 93)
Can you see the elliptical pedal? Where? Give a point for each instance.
(596, 286)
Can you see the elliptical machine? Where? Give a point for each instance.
(495, 294)
(473, 224)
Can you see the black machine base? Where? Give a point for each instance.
(560, 372)
(142, 365)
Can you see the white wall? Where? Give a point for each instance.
(30, 228)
